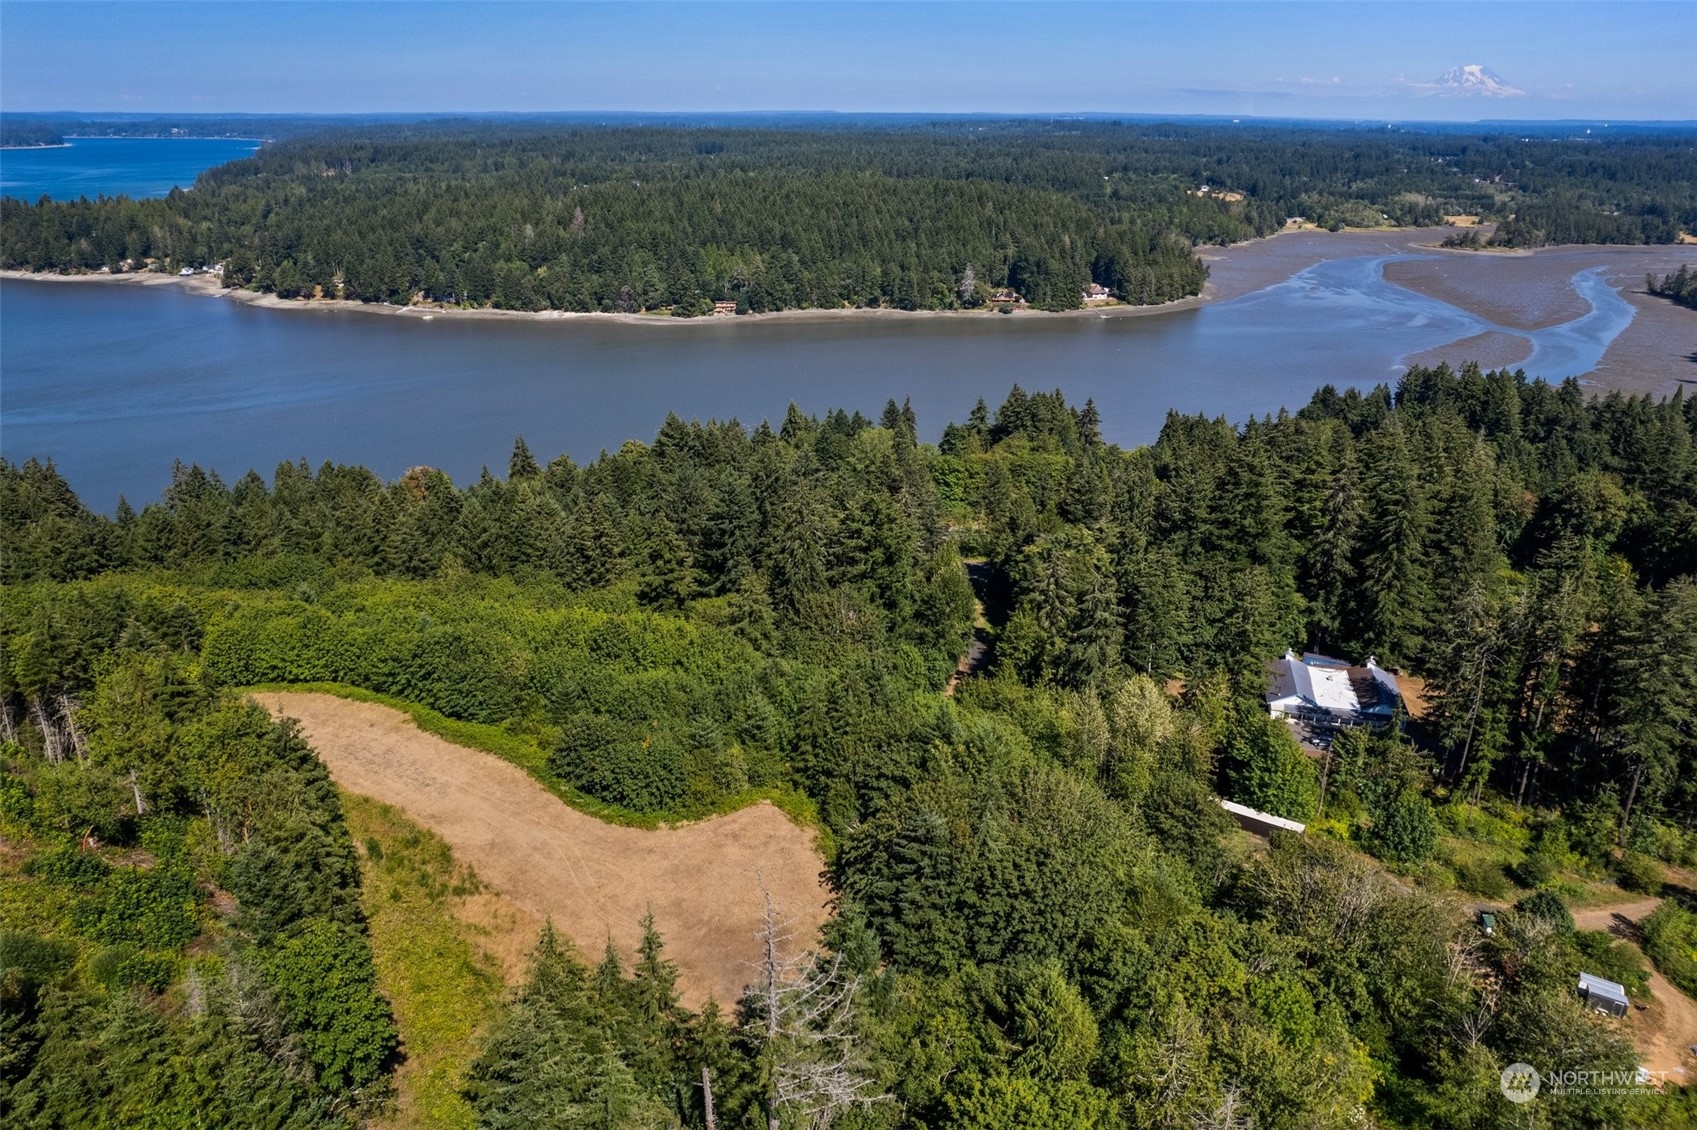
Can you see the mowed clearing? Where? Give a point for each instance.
(702, 880)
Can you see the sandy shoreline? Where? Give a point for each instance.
(210, 286)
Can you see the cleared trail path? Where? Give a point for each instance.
(702, 880)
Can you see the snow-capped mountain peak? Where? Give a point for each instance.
(1474, 80)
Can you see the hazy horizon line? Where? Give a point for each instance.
(990, 115)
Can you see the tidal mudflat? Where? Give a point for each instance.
(1492, 349)
(1525, 291)
(1535, 291)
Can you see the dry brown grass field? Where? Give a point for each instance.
(702, 880)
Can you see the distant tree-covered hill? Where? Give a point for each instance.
(544, 216)
(28, 135)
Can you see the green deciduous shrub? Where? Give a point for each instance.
(706, 716)
(15, 800)
(1670, 938)
(1535, 870)
(1639, 873)
(68, 865)
(123, 967)
(326, 986)
(629, 765)
(1404, 829)
(28, 961)
(1499, 825)
(1549, 907)
(74, 797)
(1482, 877)
(156, 909)
(462, 671)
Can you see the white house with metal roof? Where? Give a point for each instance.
(1331, 693)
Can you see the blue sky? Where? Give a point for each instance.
(1620, 59)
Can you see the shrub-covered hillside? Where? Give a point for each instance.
(1043, 918)
(181, 940)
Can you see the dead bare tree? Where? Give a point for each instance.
(220, 823)
(1177, 1051)
(8, 724)
(1463, 964)
(1472, 1026)
(68, 708)
(194, 993)
(52, 742)
(1230, 1114)
(135, 788)
(802, 1008)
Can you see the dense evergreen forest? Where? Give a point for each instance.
(1043, 919)
(937, 216)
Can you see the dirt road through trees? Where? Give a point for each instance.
(1665, 1031)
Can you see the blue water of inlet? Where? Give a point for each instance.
(115, 382)
(114, 166)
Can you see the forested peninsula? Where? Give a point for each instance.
(14, 135)
(1043, 917)
(939, 216)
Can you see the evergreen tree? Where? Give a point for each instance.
(1331, 568)
(667, 579)
(522, 465)
(1395, 584)
(1656, 709)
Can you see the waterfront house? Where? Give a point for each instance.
(1331, 694)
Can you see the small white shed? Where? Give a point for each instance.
(1603, 995)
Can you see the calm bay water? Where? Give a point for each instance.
(114, 166)
(115, 382)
